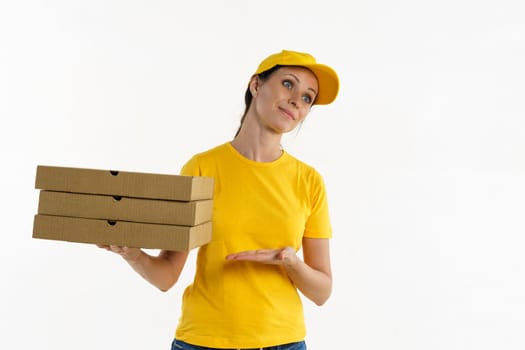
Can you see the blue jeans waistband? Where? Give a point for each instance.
(180, 345)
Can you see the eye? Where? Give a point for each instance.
(307, 99)
(287, 84)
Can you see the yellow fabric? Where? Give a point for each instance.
(239, 304)
(326, 77)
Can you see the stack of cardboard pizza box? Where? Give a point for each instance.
(144, 210)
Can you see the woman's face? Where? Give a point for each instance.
(283, 100)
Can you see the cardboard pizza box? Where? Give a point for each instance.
(125, 209)
(124, 183)
(122, 233)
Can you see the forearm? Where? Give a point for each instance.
(162, 271)
(314, 284)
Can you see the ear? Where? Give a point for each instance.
(254, 85)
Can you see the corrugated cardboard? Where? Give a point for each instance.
(123, 183)
(122, 233)
(125, 209)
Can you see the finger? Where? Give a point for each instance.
(241, 256)
(238, 254)
(116, 249)
(254, 252)
(254, 257)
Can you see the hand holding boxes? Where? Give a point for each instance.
(142, 210)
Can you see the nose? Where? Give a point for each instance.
(293, 100)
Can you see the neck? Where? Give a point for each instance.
(258, 147)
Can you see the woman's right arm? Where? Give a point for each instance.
(162, 271)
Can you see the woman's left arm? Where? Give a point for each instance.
(313, 276)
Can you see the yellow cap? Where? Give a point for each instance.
(326, 76)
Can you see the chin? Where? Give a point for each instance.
(285, 131)
(282, 130)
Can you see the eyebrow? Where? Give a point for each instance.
(296, 78)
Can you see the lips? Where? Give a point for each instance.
(288, 113)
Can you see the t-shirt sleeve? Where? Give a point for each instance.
(191, 168)
(318, 223)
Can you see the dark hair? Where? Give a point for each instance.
(248, 94)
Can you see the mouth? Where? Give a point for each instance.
(287, 113)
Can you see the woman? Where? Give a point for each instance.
(267, 206)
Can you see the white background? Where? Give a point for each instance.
(423, 155)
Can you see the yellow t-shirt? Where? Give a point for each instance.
(240, 304)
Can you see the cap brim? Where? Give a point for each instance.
(328, 83)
